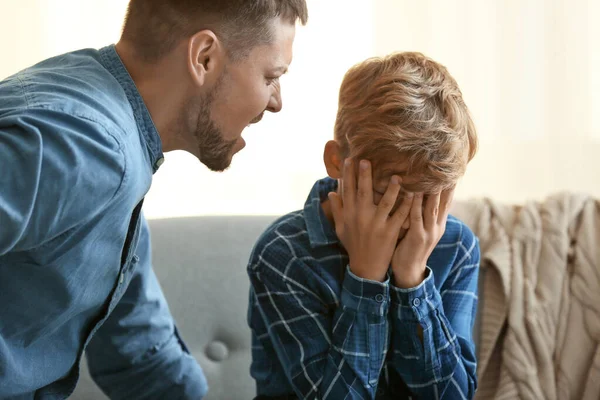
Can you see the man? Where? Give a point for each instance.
(80, 136)
(370, 291)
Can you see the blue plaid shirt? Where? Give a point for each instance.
(320, 332)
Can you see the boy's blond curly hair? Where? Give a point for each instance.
(406, 107)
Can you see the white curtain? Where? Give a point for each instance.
(529, 71)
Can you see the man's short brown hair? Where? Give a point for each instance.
(155, 27)
(406, 108)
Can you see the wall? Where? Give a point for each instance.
(529, 71)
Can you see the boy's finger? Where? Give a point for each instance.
(431, 211)
(364, 194)
(389, 198)
(349, 183)
(416, 212)
(402, 213)
(445, 203)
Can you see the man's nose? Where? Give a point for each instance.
(275, 103)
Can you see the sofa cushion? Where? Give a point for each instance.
(201, 265)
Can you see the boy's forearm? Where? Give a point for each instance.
(328, 356)
(426, 351)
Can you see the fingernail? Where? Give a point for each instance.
(395, 180)
(409, 195)
(347, 162)
(364, 164)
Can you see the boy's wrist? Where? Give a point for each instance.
(365, 296)
(407, 278)
(368, 272)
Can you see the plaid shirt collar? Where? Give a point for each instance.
(320, 230)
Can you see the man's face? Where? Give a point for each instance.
(246, 89)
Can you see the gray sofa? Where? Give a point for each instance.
(201, 264)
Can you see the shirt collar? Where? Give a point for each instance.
(320, 230)
(113, 63)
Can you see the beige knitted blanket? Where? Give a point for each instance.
(540, 332)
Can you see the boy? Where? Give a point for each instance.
(370, 291)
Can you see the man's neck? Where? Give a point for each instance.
(158, 90)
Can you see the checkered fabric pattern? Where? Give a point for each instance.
(320, 332)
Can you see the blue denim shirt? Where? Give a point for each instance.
(321, 332)
(78, 150)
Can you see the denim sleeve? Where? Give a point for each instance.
(442, 365)
(55, 170)
(138, 353)
(325, 353)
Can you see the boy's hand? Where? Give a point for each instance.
(367, 231)
(427, 226)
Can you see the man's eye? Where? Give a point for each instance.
(271, 81)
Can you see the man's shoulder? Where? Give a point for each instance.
(75, 85)
(72, 113)
(66, 156)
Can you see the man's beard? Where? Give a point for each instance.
(213, 150)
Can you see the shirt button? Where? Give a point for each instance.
(121, 278)
(417, 302)
(159, 162)
(379, 298)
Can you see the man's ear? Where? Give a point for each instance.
(333, 158)
(205, 57)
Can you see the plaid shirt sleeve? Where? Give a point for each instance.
(326, 354)
(443, 364)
